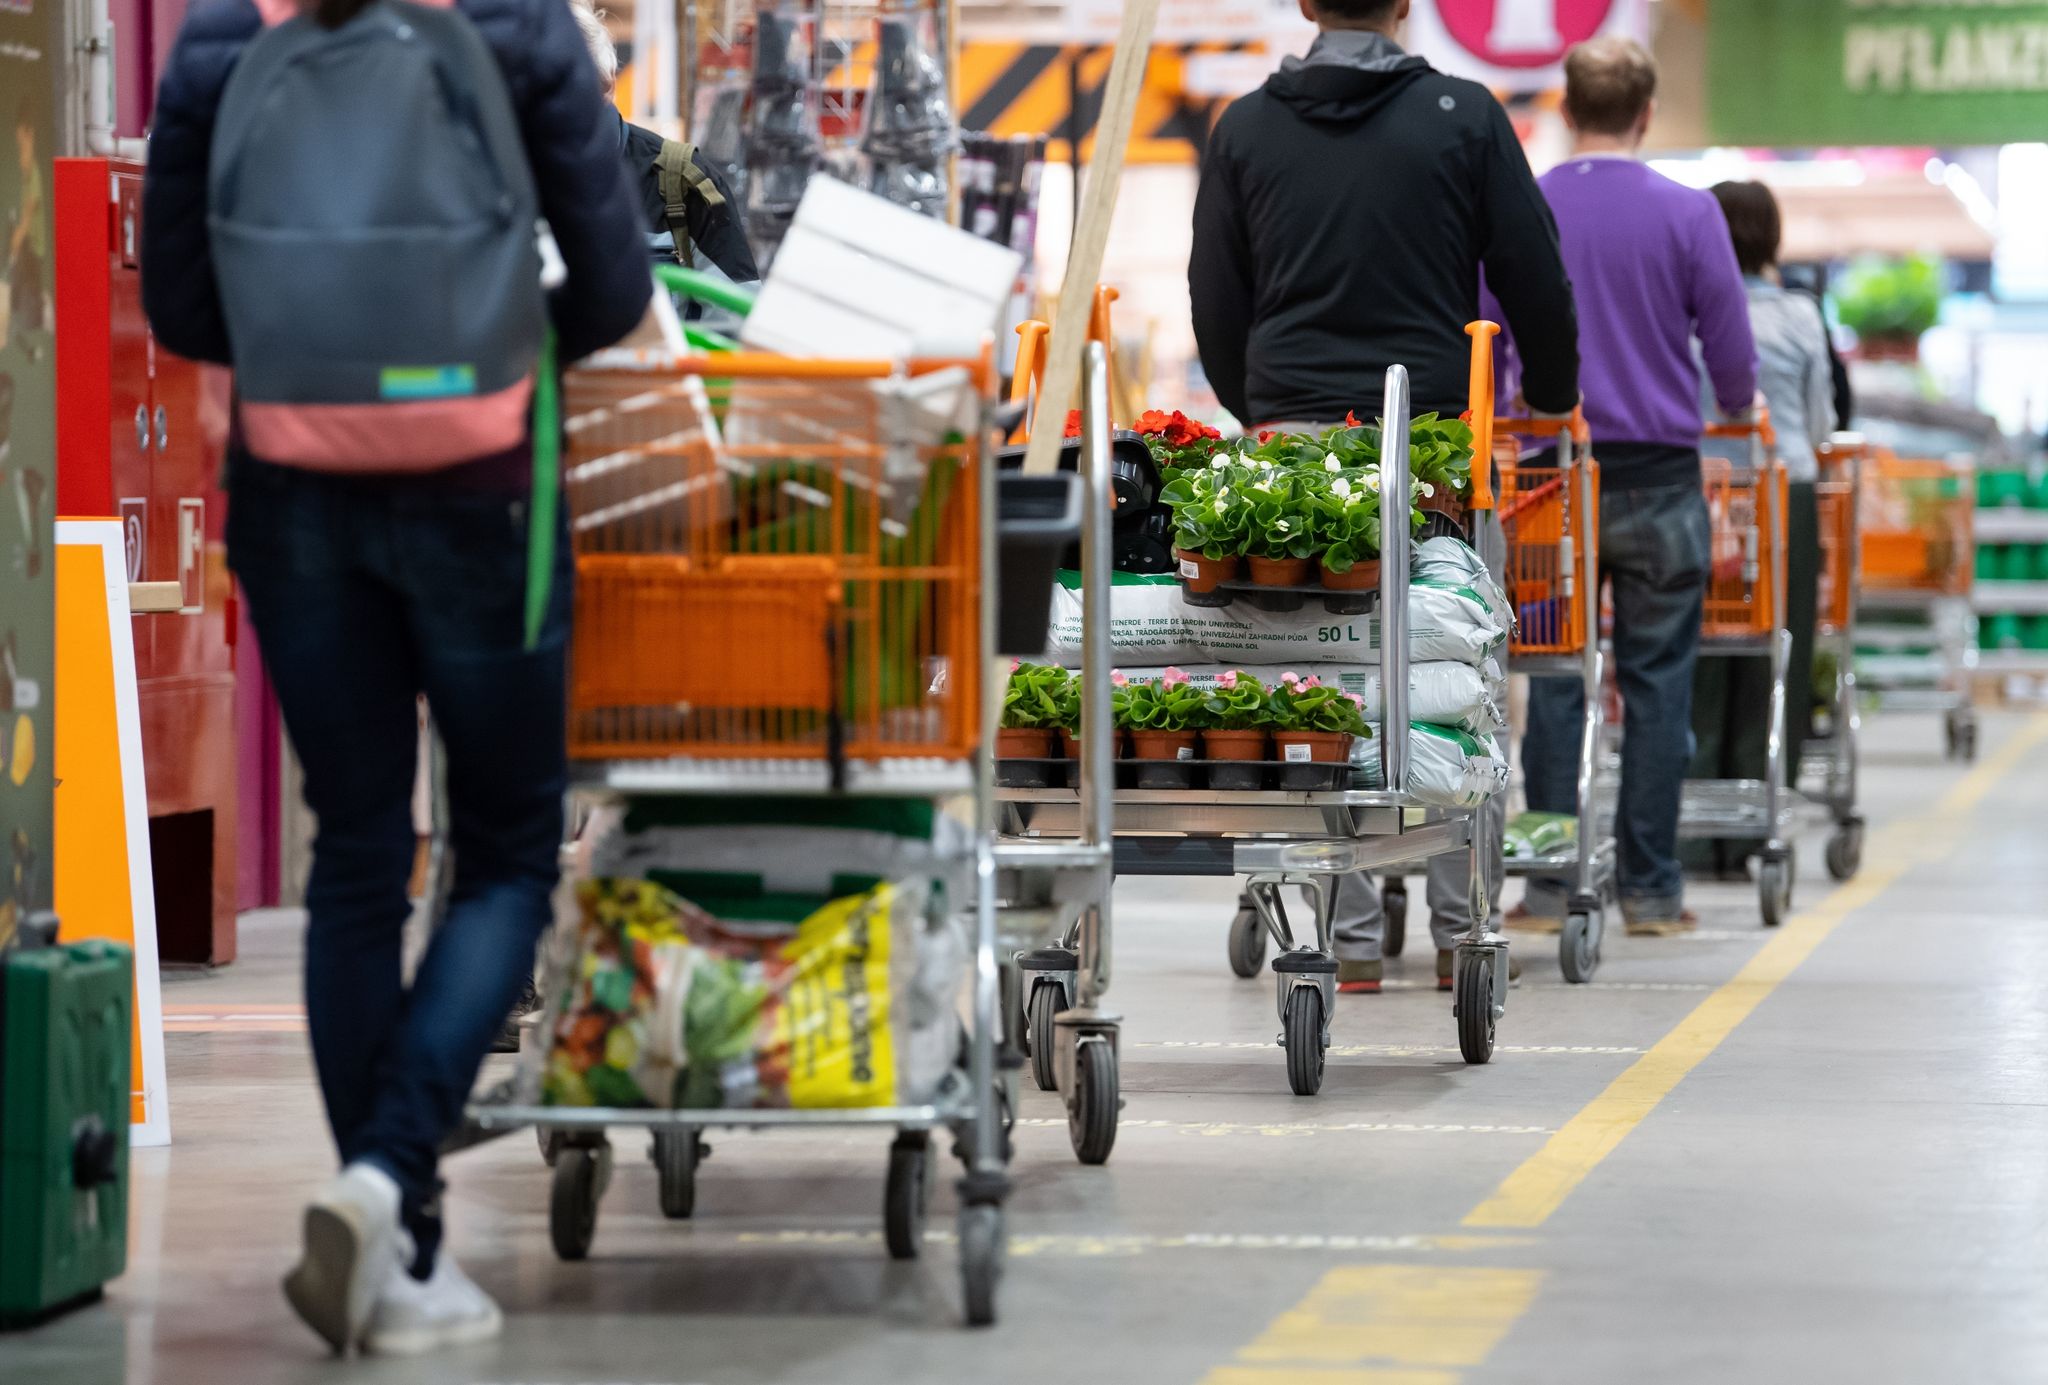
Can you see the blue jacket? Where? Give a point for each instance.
(570, 136)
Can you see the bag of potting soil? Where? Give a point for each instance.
(662, 1008)
(1535, 836)
(1152, 626)
(1447, 768)
(1471, 698)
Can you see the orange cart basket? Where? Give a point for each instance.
(764, 571)
(1746, 504)
(1919, 525)
(1546, 523)
(1835, 498)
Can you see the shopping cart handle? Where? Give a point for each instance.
(1572, 425)
(1758, 428)
(1482, 398)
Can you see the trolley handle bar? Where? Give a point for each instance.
(1395, 540)
(1481, 394)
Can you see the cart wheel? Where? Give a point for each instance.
(909, 1194)
(1394, 898)
(1474, 1008)
(1048, 998)
(572, 1207)
(1961, 729)
(676, 1154)
(550, 1143)
(1578, 947)
(1845, 850)
(1774, 888)
(1247, 943)
(981, 1260)
(1303, 1037)
(1093, 1106)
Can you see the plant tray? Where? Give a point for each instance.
(1249, 776)
(1284, 600)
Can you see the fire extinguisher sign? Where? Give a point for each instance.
(1517, 45)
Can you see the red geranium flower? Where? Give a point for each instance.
(1351, 420)
(1465, 417)
(1267, 435)
(1153, 421)
(1073, 423)
(1181, 431)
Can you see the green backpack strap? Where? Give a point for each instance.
(676, 178)
(547, 486)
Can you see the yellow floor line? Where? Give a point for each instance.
(1529, 1195)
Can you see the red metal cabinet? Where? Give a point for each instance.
(133, 440)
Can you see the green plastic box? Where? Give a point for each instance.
(65, 1017)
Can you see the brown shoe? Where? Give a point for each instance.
(1686, 922)
(1359, 978)
(1446, 963)
(1522, 921)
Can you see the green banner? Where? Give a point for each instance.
(30, 51)
(1872, 72)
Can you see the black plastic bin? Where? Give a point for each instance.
(1038, 520)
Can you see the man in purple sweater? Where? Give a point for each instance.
(1653, 268)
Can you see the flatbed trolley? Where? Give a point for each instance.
(1831, 760)
(1919, 568)
(1550, 521)
(1745, 618)
(772, 561)
(1278, 839)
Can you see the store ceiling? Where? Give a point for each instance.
(1889, 216)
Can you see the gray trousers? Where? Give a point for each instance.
(1360, 920)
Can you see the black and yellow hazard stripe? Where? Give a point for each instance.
(1040, 89)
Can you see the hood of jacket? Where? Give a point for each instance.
(1346, 76)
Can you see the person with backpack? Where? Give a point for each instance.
(343, 203)
(691, 215)
(1346, 212)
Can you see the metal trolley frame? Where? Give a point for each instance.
(1272, 839)
(974, 1101)
(1831, 763)
(1745, 618)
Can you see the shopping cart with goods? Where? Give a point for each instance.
(1298, 825)
(785, 622)
(1830, 768)
(1745, 618)
(1918, 522)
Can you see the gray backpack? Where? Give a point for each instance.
(373, 231)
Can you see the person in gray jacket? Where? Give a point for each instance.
(1732, 697)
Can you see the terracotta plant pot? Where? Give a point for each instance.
(1313, 747)
(1202, 578)
(1363, 576)
(1280, 572)
(1236, 759)
(1166, 759)
(1016, 744)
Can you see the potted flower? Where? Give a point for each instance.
(1210, 511)
(1239, 732)
(1280, 535)
(1164, 719)
(1314, 724)
(1440, 452)
(1033, 703)
(1177, 441)
(1067, 726)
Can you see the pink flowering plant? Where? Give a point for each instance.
(1239, 702)
(1309, 704)
(1172, 703)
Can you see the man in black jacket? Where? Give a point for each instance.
(1346, 212)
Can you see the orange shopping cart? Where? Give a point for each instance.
(1745, 618)
(782, 606)
(1918, 522)
(1832, 750)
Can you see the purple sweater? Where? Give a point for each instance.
(1651, 267)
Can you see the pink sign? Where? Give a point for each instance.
(1522, 33)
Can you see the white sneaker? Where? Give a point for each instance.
(352, 1242)
(447, 1309)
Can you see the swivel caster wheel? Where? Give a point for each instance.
(1472, 996)
(1845, 850)
(1302, 1034)
(1774, 887)
(1394, 899)
(1095, 1103)
(676, 1155)
(1048, 999)
(1247, 942)
(1578, 945)
(909, 1194)
(581, 1173)
(983, 1243)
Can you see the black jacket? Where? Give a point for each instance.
(563, 119)
(719, 234)
(1344, 216)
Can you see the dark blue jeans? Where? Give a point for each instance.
(365, 594)
(1654, 554)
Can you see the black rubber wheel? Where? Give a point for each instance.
(982, 1244)
(1048, 998)
(908, 1195)
(1578, 947)
(1961, 730)
(1303, 1030)
(1774, 888)
(550, 1141)
(1247, 943)
(1094, 1104)
(572, 1204)
(676, 1154)
(1845, 851)
(1394, 898)
(1473, 994)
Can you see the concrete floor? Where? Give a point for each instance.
(1845, 1183)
